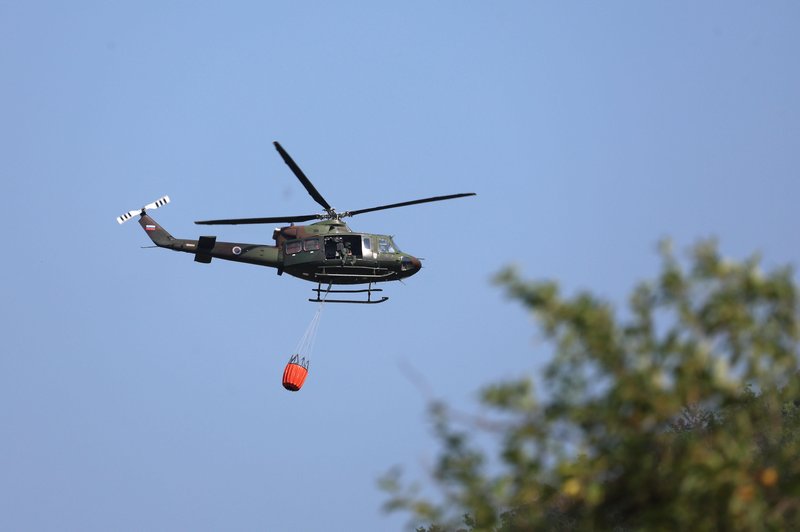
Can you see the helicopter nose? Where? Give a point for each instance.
(410, 265)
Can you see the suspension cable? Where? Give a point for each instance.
(306, 344)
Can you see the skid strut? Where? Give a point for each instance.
(329, 290)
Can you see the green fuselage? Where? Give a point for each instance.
(326, 252)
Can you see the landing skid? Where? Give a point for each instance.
(369, 301)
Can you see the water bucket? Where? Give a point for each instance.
(295, 373)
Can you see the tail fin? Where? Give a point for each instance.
(157, 234)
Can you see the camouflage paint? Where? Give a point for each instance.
(310, 266)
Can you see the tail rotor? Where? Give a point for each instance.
(160, 202)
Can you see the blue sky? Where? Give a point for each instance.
(140, 390)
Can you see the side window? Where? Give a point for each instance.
(294, 247)
(312, 244)
(367, 243)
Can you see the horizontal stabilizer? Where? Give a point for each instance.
(204, 246)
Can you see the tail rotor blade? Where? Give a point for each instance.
(160, 202)
(127, 216)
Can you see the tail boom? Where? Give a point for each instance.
(206, 247)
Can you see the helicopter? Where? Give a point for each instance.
(326, 252)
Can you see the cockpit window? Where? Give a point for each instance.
(385, 245)
(294, 247)
(312, 244)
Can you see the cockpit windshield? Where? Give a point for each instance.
(386, 245)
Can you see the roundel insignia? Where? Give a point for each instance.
(236, 250)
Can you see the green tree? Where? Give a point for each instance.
(679, 413)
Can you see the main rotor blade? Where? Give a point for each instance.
(407, 203)
(269, 220)
(302, 177)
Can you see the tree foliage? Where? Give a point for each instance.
(680, 412)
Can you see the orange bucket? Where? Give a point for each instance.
(295, 374)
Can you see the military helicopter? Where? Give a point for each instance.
(327, 252)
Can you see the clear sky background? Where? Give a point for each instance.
(140, 390)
